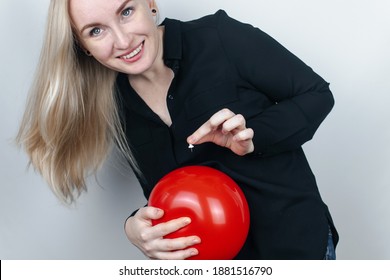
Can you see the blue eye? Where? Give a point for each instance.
(127, 12)
(95, 31)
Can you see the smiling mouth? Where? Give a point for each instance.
(134, 52)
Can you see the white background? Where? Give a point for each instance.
(347, 42)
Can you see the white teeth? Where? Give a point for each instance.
(133, 53)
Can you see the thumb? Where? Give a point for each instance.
(150, 213)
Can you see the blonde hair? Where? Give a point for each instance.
(71, 119)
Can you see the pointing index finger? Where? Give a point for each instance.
(212, 124)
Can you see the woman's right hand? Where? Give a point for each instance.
(149, 239)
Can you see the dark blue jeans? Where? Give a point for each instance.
(330, 250)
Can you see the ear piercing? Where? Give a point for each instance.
(154, 11)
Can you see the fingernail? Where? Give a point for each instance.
(196, 240)
(191, 139)
(193, 252)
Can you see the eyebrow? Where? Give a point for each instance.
(121, 7)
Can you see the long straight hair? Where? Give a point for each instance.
(71, 120)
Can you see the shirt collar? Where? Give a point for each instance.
(172, 42)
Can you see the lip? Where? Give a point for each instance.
(136, 56)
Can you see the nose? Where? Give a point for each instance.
(122, 39)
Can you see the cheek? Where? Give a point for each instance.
(101, 50)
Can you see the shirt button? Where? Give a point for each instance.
(170, 97)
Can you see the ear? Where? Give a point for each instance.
(80, 49)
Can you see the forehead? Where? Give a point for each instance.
(84, 11)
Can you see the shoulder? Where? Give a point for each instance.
(224, 25)
(208, 21)
(219, 20)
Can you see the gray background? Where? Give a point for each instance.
(346, 42)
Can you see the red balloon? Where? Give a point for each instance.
(216, 205)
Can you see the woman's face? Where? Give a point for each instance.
(120, 34)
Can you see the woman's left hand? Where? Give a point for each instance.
(225, 129)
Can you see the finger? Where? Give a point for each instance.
(212, 124)
(177, 255)
(174, 244)
(173, 225)
(160, 248)
(149, 212)
(234, 124)
(244, 135)
(162, 229)
(220, 117)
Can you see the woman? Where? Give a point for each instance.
(109, 74)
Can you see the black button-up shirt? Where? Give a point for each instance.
(221, 63)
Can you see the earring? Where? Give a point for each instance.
(154, 11)
(88, 53)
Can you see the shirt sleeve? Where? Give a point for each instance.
(301, 98)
